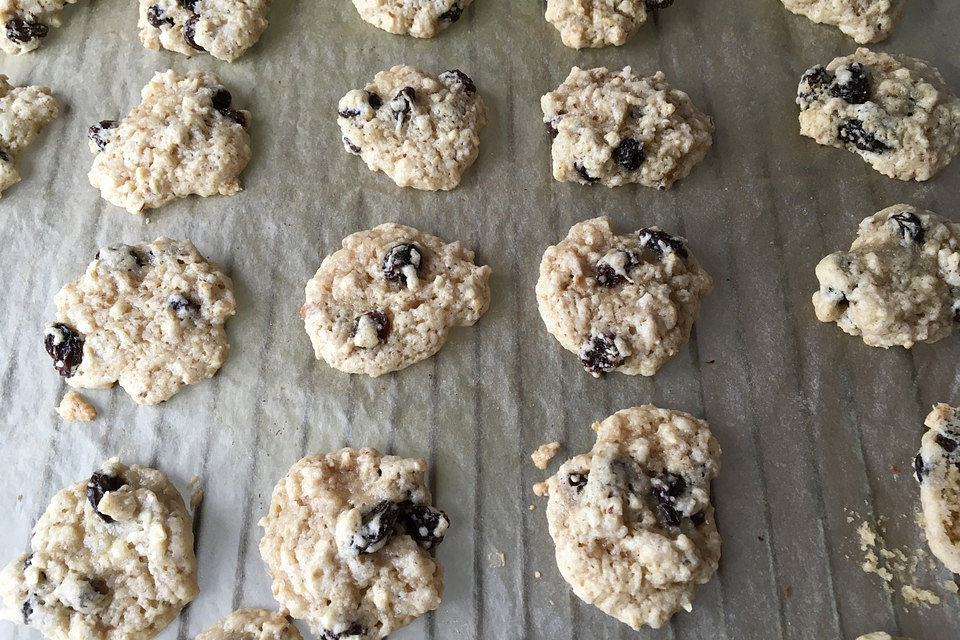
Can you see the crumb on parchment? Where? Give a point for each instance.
(73, 408)
(542, 456)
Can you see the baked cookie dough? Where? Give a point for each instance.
(183, 139)
(893, 111)
(224, 28)
(389, 298)
(900, 282)
(598, 23)
(418, 18)
(24, 111)
(149, 316)
(73, 408)
(349, 542)
(110, 559)
(880, 635)
(632, 521)
(27, 22)
(937, 468)
(252, 624)
(863, 20)
(616, 127)
(621, 302)
(421, 130)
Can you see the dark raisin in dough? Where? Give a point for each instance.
(856, 90)
(377, 525)
(852, 132)
(354, 629)
(909, 226)
(189, 32)
(421, 523)
(460, 78)
(629, 154)
(100, 484)
(397, 258)
(157, 18)
(380, 322)
(584, 173)
(66, 355)
(452, 14)
(601, 354)
(577, 481)
(20, 30)
(661, 242)
(95, 132)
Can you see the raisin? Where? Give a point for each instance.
(661, 242)
(919, 468)
(459, 77)
(947, 444)
(668, 510)
(65, 346)
(578, 481)
(909, 226)
(584, 173)
(27, 562)
(600, 354)
(355, 629)
(629, 154)
(100, 483)
(399, 261)
(813, 81)
(852, 132)
(184, 307)
(157, 18)
(350, 146)
(189, 5)
(698, 518)
(608, 276)
(655, 5)
(856, 88)
(374, 100)
(551, 130)
(27, 610)
(4, 156)
(189, 33)
(348, 113)
(402, 104)
(381, 324)
(425, 525)
(19, 30)
(377, 525)
(221, 102)
(452, 14)
(95, 132)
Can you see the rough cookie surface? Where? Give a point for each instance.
(389, 298)
(24, 111)
(183, 139)
(73, 408)
(893, 111)
(632, 520)
(418, 18)
(110, 559)
(937, 468)
(863, 20)
(224, 28)
(348, 541)
(621, 302)
(252, 624)
(149, 316)
(900, 281)
(880, 635)
(27, 22)
(421, 130)
(598, 23)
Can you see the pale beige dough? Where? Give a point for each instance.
(418, 18)
(880, 635)
(73, 408)
(544, 454)
(26, 23)
(863, 20)
(24, 112)
(598, 23)
(224, 28)
(937, 468)
(252, 624)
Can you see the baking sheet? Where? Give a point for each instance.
(811, 421)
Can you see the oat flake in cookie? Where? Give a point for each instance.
(24, 111)
(252, 624)
(224, 28)
(421, 130)
(632, 521)
(620, 302)
(893, 111)
(149, 316)
(614, 128)
(27, 22)
(598, 23)
(418, 18)
(900, 281)
(389, 298)
(863, 20)
(110, 559)
(185, 138)
(349, 542)
(937, 467)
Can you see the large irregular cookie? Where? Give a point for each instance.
(617, 127)
(149, 316)
(252, 624)
(24, 111)
(27, 22)
(421, 130)
(597, 23)
(225, 28)
(895, 112)
(389, 298)
(621, 302)
(110, 559)
(632, 521)
(418, 18)
(863, 20)
(900, 281)
(183, 139)
(937, 467)
(349, 542)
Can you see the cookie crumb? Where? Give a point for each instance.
(950, 586)
(532, 507)
(542, 456)
(73, 408)
(919, 597)
(537, 575)
(541, 489)
(497, 559)
(196, 494)
(897, 565)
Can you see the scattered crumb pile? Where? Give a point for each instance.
(73, 408)
(895, 566)
(542, 456)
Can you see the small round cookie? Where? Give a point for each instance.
(621, 302)
(224, 28)
(598, 23)
(389, 298)
(863, 20)
(24, 111)
(252, 624)
(183, 139)
(937, 467)
(349, 542)
(880, 635)
(900, 281)
(149, 316)
(632, 521)
(421, 130)
(418, 18)
(895, 112)
(27, 22)
(110, 559)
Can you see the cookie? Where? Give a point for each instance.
(880, 635)
(632, 520)
(73, 408)
(110, 559)
(421, 130)
(937, 468)
(598, 23)
(894, 112)
(389, 298)
(418, 18)
(900, 281)
(149, 316)
(863, 20)
(252, 624)
(24, 111)
(224, 28)
(349, 543)
(185, 138)
(614, 128)
(27, 22)
(620, 302)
